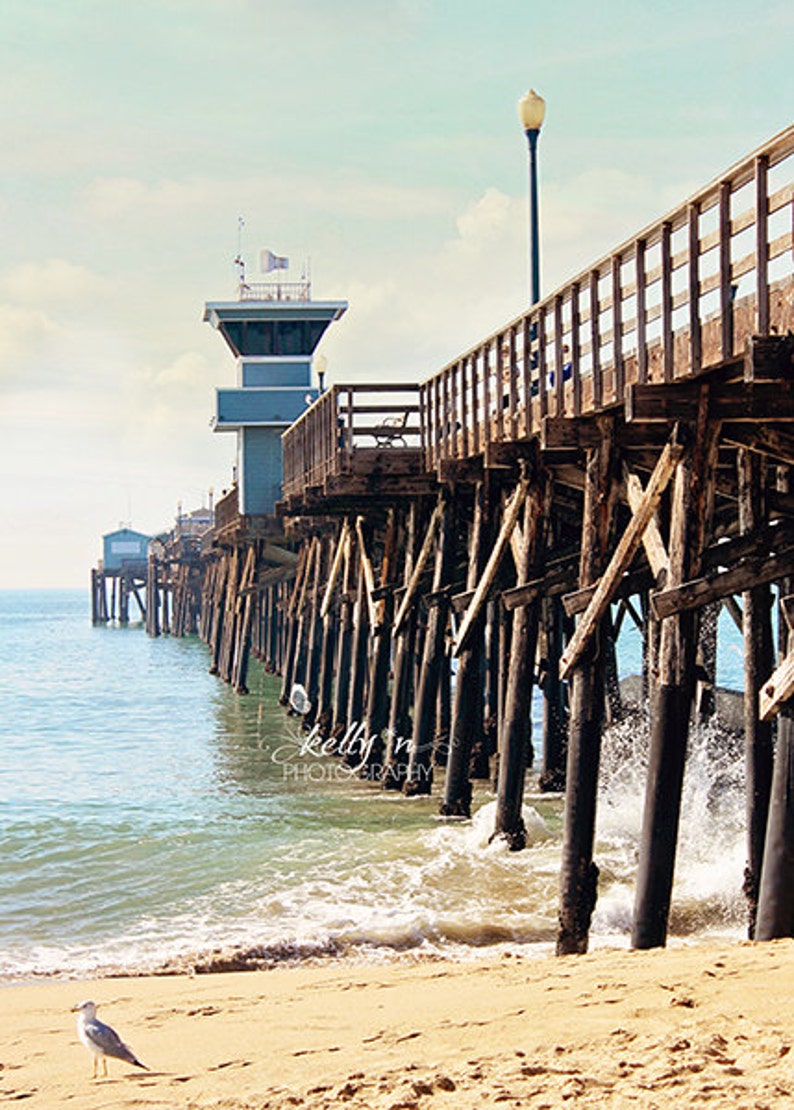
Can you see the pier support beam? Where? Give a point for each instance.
(468, 704)
(344, 652)
(515, 752)
(419, 778)
(377, 711)
(358, 662)
(758, 664)
(776, 887)
(315, 632)
(692, 504)
(555, 708)
(579, 874)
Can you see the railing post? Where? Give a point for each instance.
(665, 248)
(595, 340)
(726, 276)
(617, 329)
(640, 300)
(695, 336)
(762, 242)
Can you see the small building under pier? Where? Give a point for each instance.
(119, 576)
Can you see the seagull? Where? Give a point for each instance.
(101, 1040)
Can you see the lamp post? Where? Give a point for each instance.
(531, 111)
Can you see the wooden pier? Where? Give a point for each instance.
(621, 451)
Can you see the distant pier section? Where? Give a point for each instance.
(120, 576)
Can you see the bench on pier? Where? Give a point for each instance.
(391, 431)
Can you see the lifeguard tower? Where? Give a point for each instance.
(272, 329)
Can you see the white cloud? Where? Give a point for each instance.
(25, 334)
(54, 281)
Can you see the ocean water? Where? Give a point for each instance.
(149, 816)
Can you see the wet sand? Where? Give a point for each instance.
(711, 1025)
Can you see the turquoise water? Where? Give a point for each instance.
(147, 814)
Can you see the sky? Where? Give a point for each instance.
(379, 140)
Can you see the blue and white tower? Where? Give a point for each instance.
(272, 329)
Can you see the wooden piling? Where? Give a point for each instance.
(515, 752)
(775, 917)
(314, 631)
(344, 654)
(376, 716)
(692, 505)
(419, 778)
(579, 873)
(293, 620)
(467, 710)
(358, 663)
(398, 731)
(758, 663)
(555, 701)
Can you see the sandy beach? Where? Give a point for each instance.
(706, 1025)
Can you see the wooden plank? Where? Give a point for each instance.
(271, 553)
(764, 439)
(630, 584)
(565, 433)
(560, 578)
(777, 690)
(623, 555)
(491, 567)
(700, 591)
(737, 402)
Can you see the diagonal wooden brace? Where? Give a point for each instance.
(777, 690)
(419, 566)
(509, 523)
(341, 544)
(624, 553)
(369, 576)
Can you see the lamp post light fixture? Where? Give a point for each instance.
(321, 366)
(531, 112)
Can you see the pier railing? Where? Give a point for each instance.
(227, 509)
(345, 428)
(274, 291)
(685, 293)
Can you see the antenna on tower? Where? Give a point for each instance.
(239, 261)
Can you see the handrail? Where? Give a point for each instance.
(345, 419)
(227, 509)
(274, 291)
(682, 294)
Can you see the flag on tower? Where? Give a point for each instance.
(269, 262)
